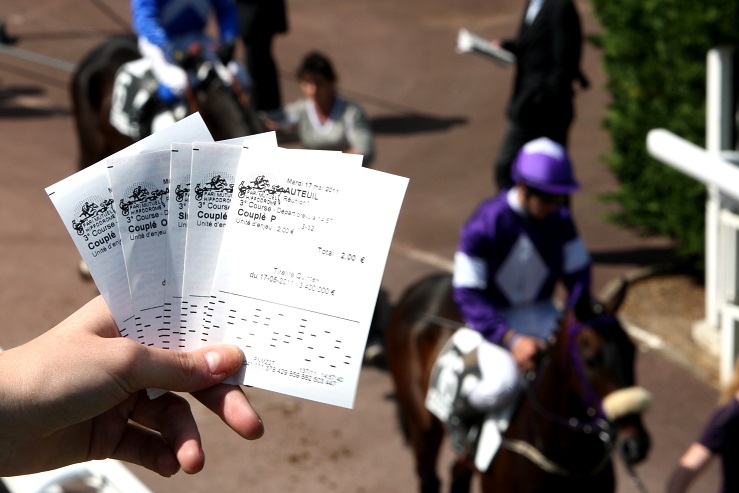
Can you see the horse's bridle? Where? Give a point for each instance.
(596, 424)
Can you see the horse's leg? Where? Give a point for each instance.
(90, 138)
(461, 477)
(411, 347)
(426, 449)
(425, 433)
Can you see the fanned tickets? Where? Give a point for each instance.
(278, 251)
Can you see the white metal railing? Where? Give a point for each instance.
(716, 167)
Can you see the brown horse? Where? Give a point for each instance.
(225, 108)
(559, 438)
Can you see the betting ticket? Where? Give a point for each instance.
(85, 204)
(181, 160)
(140, 187)
(299, 270)
(279, 251)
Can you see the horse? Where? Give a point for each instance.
(559, 438)
(225, 108)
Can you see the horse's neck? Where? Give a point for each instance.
(555, 387)
(554, 403)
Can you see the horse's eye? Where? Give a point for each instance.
(593, 361)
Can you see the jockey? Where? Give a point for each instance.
(513, 251)
(165, 27)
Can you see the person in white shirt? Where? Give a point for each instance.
(324, 119)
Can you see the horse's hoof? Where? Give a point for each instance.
(84, 271)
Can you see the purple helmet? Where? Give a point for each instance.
(544, 165)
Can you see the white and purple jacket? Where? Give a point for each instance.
(508, 264)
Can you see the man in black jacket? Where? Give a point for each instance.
(547, 49)
(259, 21)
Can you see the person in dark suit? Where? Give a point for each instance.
(547, 49)
(259, 21)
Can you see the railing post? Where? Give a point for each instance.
(719, 136)
(716, 166)
(719, 284)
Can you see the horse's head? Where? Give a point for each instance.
(218, 93)
(603, 360)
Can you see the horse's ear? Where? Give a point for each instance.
(586, 308)
(614, 296)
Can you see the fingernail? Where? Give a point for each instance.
(213, 359)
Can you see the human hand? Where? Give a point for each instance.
(525, 350)
(271, 125)
(76, 393)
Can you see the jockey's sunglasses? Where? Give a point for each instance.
(547, 198)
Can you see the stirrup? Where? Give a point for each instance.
(463, 427)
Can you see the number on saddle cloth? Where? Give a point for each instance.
(134, 87)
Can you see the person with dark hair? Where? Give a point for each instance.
(259, 22)
(547, 50)
(323, 119)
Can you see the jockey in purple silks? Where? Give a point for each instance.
(512, 252)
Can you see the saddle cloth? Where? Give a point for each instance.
(134, 86)
(455, 372)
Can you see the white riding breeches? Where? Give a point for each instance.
(500, 381)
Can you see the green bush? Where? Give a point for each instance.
(654, 54)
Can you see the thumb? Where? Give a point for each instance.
(188, 371)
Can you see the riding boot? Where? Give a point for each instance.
(463, 426)
(465, 421)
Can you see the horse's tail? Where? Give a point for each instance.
(89, 88)
(413, 340)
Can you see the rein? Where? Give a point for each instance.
(597, 424)
(524, 448)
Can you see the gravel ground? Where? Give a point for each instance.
(667, 306)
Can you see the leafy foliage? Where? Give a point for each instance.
(654, 54)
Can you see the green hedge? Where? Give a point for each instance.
(654, 54)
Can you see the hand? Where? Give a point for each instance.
(525, 350)
(76, 393)
(271, 125)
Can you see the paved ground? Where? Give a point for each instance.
(438, 119)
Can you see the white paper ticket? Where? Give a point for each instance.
(84, 201)
(279, 251)
(140, 187)
(299, 270)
